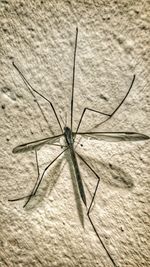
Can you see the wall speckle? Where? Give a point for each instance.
(113, 44)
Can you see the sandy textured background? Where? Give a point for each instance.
(113, 44)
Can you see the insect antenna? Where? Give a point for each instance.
(62, 120)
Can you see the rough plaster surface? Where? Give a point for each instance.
(113, 44)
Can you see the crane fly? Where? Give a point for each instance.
(70, 136)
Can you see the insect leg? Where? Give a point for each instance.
(109, 116)
(32, 89)
(89, 210)
(38, 182)
(73, 78)
(38, 174)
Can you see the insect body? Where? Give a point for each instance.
(69, 139)
(70, 136)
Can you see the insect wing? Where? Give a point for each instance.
(115, 136)
(36, 144)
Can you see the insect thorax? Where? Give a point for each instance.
(68, 135)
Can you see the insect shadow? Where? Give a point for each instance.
(70, 136)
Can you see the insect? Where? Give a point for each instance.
(70, 136)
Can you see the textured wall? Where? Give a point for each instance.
(113, 44)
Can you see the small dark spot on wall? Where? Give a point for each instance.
(103, 97)
(3, 106)
(106, 18)
(30, 29)
(32, 132)
(5, 2)
(7, 91)
(110, 165)
(122, 229)
(5, 30)
(21, 4)
(10, 57)
(143, 27)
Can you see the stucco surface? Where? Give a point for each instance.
(113, 44)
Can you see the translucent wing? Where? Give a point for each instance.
(36, 144)
(114, 136)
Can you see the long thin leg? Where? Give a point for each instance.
(73, 78)
(31, 88)
(89, 210)
(35, 99)
(109, 116)
(38, 182)
(38, 175)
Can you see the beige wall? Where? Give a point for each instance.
(113, 44)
